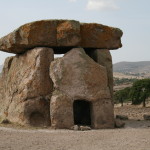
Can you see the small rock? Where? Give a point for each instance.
(119, 123)
(75, 128)
(122, 117)
(146, 117)
(84, 128)
(5, 121)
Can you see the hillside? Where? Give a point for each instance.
(125, 73)
(132, 67)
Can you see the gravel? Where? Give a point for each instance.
(135, 135)
(44, 139)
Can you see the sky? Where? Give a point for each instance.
(131, 16)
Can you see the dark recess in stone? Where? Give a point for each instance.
(82, 112)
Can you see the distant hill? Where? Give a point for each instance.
(137, 69)
(125, 73)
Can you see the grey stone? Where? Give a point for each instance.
(78, 77)
(24, 86)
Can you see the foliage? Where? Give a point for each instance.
(122, 95)
(140, 91)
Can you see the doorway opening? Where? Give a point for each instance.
(82, 112)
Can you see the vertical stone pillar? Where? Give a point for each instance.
(102, 114)
(26, 84)
(103, 57)
(61, 111)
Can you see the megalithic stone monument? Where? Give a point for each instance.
(38, 90)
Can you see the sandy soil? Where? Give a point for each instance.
(135, 136)
(113, 139)
(134, 112)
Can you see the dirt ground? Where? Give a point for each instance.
(135, 136)
(134, 112)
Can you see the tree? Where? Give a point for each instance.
(140, 91)
(122, 95)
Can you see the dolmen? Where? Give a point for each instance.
(37, 89)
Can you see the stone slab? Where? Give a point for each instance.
(60, 34)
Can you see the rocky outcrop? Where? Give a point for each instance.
(25, 83)
(64, 33)
(78, 77)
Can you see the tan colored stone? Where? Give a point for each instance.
(25, 83)
(39, 33)
(49, 33)
(68, 33)
(102, 114)
(60, 33)
(103, 57)
(79, 76)
(100, 36)
(61, 110)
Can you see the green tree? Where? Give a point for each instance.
(140, 91)
(122, 95)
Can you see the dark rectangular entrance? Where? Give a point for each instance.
(82, 112)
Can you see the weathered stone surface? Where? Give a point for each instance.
(79, 76)
(103, 57)
(64, 33)
(39, 33)
(50, 33)
(102, 114)
(68, 33)
(24, 85)
(100, 36)
(61, 110)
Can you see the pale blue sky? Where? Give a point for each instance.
(132, 16)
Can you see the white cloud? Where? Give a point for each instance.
(102, 5)
(72, 0)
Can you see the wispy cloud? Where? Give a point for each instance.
(72, 0)
(102, 5)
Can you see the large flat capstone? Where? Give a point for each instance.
(61, 33)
